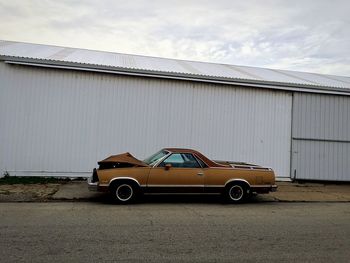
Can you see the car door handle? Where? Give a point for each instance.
(200, 174)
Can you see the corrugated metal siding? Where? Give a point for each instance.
(321, 137)
(321, 160)
(321, 117)
(243, 125)
(89, 58)
(64, 121)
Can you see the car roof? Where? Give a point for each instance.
(209, 162)
(180, 150)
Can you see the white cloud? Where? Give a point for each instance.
(297, 35)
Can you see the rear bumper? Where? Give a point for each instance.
(263, 189)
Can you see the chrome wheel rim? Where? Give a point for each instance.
(236, 192)
(124, 192)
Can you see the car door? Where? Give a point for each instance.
(178, 173)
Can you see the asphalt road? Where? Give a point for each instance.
(174, 232)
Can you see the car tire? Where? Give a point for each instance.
(124, 192)
(236, 193)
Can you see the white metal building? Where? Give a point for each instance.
(63, 109)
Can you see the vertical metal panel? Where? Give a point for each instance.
(324, 117)
(243, 125)
(321, 137)
(64, 121)
(321, 160)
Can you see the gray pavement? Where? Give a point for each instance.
(176, 231)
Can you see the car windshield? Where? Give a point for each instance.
(155, 157)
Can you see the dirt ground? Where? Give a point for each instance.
(77, 190)
(312, 192)
(27, 192)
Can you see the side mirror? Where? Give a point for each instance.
(167, 166)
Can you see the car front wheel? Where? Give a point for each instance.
(124, 193)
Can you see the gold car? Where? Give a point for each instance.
(174, 170)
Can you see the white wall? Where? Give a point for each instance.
(64, 121)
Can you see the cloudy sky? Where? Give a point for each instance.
(302, 35)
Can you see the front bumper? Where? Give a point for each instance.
(93, 186)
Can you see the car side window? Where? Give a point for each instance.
(175, 160)
(202, 163)
(181, 160)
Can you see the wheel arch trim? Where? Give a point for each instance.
(123, 178)
(237, 180)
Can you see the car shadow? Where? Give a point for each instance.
(105, 198)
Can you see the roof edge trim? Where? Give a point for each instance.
(174, 75)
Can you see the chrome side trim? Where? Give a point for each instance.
(124, 178)
(237, 180)
(182, 193)
(175, 185)
(197, 185)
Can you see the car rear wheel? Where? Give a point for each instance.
(124, 193)
(236, 193)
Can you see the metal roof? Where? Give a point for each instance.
(83, 59)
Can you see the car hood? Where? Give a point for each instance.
(123, 158)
